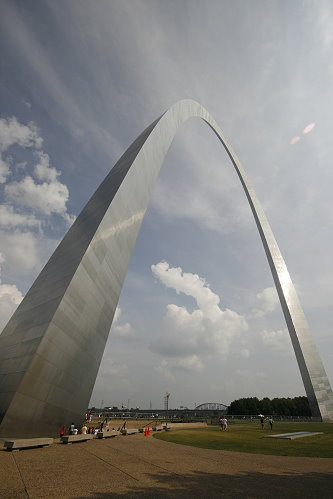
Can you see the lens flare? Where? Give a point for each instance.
(294, 140)
(309, 127)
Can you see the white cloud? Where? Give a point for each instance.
(191, 363)
(123, 332)
(10, 298)
(46, 198)
(26, 103)
(190, 284)
(164, 370)
(9, 218)
(42, 170)
(117, 314)
(117, 369)
(4, 170)
(49, 196)
(277, 341)
(206, 330)
(14, 133)
(20, 248)
(266, 302)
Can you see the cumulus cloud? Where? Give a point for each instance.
(117, 314)
(117, 369)
(42, 169)
(4, 170)
(29, 204)
(123, 332)
(206, 330)
(10, 298)
(20, 248)
(9, 218)
(14, 133)
(191, 363)
(277, 341)
(164, 370)
(266, 302)
(44, 194)
(112, 368)
(46, 198)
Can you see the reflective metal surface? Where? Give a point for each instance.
(51, 349)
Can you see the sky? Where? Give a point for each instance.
(198, 315)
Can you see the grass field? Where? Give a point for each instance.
(250, 438)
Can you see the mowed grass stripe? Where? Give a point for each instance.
(250, 438)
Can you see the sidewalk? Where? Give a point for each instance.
(138, 466)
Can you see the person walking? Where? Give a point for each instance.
(270, 420)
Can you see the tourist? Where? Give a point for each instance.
(270, 420)
(84, 429)
(75, 431)
(62, 431)
(224, 424)
(71, 429)
(262, 422)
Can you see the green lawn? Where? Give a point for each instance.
(249, 438)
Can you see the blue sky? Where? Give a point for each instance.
(80, 80)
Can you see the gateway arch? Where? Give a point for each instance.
(51, 348)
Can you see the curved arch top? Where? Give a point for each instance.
(52, 346)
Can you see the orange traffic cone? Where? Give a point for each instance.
(145, 432)
(148, 431)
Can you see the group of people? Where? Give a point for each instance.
(90, 430)
(262, 422)
(224, 424)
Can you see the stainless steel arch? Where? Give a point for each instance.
(52, 346)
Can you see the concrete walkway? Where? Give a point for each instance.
(137, 466)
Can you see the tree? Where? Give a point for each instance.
(297, 406)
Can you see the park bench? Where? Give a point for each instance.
(108, 434)
(129, 431)
(70, 439)
(27, 443)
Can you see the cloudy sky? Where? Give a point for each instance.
(198, 315)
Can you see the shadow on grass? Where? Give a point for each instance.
(212, 485)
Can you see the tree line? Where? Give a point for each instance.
(297, 406)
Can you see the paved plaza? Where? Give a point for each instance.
(138, 466)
